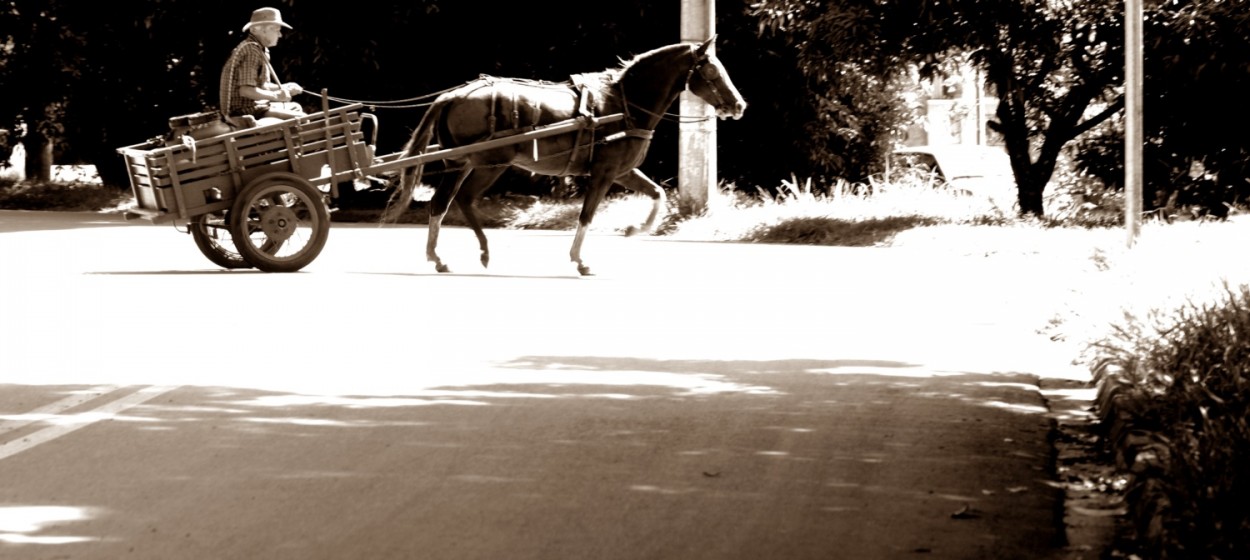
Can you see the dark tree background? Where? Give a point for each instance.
(1051, 64)
(97, 80)
(1197, 155)
(820, 77)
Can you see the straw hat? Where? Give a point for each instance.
(266, 15)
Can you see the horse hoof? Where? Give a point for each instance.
(485, 261)
(442, 268)
(632, 231)
(584, 270)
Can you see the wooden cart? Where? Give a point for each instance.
(259, 197)
(254, 197)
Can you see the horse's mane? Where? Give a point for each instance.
(603, 81)
(626, 63)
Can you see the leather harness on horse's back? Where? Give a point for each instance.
(580, 88)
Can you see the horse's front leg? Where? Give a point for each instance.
(638, 182)
(594, 196)
(575, 254)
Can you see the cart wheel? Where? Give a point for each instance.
(280, 223)
(211, 233)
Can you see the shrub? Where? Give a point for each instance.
(1177, 400)
(1078, 198)
(74, 197)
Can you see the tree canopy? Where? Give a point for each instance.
(823, 79)
(1049, 62)
(1197, 63)
(112, 80)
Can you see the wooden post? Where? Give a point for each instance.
(696, 162)
(1133, 137)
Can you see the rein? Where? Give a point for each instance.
(671, 117)
(421, 100)
(409, 103)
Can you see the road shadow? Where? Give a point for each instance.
(687, 458)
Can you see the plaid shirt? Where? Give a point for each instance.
(248, 65)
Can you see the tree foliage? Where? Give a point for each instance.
(1197, 67)
(42, 60)
(1053, 64)
(106, 81)
(823, 79)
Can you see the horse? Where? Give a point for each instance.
(641, 89)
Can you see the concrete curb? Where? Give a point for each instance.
(1094, 503)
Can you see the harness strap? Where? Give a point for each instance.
(516, 111)
(494, 99)
(631, 133)
(273, 75)
(584, 113)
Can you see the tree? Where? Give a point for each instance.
(76, 79)
(1197, 80)
(1055, 65)
(40, 62)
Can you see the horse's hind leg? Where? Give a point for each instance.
(481, 180)
(439, 204)
(638, 182)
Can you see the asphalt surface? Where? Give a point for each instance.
(691, 400)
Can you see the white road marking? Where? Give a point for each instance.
(104, 412)
(14, 422)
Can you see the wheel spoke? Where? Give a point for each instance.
(216, 241)
(271, 246)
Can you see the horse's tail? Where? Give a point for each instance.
(410, 176)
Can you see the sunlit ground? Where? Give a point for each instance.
(1165, 267)
(728, 377)
(1084, 281)
(41, 524)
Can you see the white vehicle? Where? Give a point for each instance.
(968, 168)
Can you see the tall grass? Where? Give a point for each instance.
(845, 214)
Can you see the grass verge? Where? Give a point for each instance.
(65, 197)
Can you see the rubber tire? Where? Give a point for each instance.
(222, 252)
(248, 231)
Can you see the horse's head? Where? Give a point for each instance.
(709, 80)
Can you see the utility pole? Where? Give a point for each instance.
(1133, 137)
(696, 161)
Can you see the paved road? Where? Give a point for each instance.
(691, 400)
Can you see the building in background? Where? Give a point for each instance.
(953, 110)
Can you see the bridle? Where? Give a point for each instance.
(710, 74)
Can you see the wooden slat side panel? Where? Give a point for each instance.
(156, 169)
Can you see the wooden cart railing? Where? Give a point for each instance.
(181, 181)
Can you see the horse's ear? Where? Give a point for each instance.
(702, 50)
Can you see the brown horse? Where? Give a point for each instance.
(641, 89)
